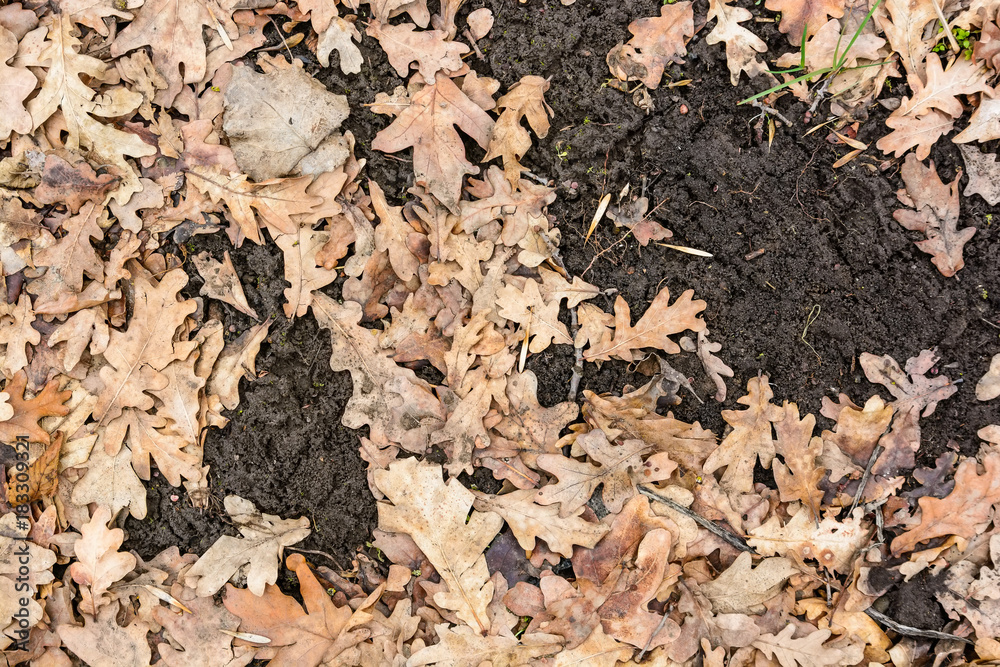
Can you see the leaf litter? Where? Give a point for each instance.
(690, 554)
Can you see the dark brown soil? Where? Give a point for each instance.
(828, 235)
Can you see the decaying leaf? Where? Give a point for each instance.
(222, 283)
(475, 650)
(935, 214)
(984, 174)
(524, 101)
(988, 386)
(802, 652)
(435, 515)
(434, 112)
(340, 36)
(265, 537)
(28, 412)
(834, 544)
(910, 386)
(42, 476)
(657, 42)
(404, 44)
(742, 46)
(102, 637)
(661, 320)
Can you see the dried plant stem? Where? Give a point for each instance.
(910, 631)
(730, 538)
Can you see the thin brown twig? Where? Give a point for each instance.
(910, 631)
(728, 537)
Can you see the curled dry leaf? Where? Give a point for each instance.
(265, 537)
(436, 515)
(657, 42)
(222, 283)
(935, 214)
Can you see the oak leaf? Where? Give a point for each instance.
(799, 475)
(237, 361)
(742, 589)
(804, 16)
(430, 49)
(532, 428)
(530, 522)
(98, 563)
(519, 206)
(962, 512)
(904, 28)
(14, 541)
(28, 412)
(834, 544)
(984, 174)
(302, 269)
(383, 10)
(620, 468)
(221, 282)
(858, 429)
(742, 46)
(977, 599)
(265, 537)
(943, 87)
(175, 35)
(43, 476)
(920, 132)
(713, 365)
(147, 435)
(72, 183)
(16, 83)
(340, 36)
(64, 89)
(460, 646)
(202, 633)
(283, 121)
(396, 405)
(539, 319)
(726, 630)
(321, 633)
(17, 334)
(750, 438)
(935, 214)
(463, 431)
(111, 482)
(912, 389)
(275, 201)
(103, 642)
(525, 100)
(803, 652)
(428, 126)
(436, 515)
(661, 320)
(988, 386)
(984, 125)
(395, 235)
(657, 42)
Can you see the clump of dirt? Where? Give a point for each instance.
(831, 249)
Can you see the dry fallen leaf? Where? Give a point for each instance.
(436, 515)
(265, 537)
(803, 652)
(935, 214)
(742, 46)
(984, 174)
(834, 544)
(657, 42)
(988, 386)
(340, 36)
(904, 28)
(742, 589)
(403, 44)
(222, 283)
(460, 645)
(806, 15)
(661, 320)
(524, 101)
(99, 564)
(102, 637)
(16, 83)
(434, 111)
(28, 412)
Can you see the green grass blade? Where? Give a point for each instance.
(804, 77)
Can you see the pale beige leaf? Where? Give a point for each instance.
(430, 49)
(104, 643)
(988, 386)
(436, 515)
(984, 125)
(806, 651)
(834, 544)
(539, 320)
(657, 42)
(237, 361)
(262, 546)
(460, 646)
(942, 88)
(742, 589)
(338, 37)
(17, 334)
(480, 22)
(524, 101)
(111, 482)
(222, 283)
(98, 563)
(904, 28)
(920, 132)
(16, 83)
(742, 46)
(984, 174)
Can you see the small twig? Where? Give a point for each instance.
(318, 553)
(986, 321)
(810, 318)
(730, 538)
(911, 631)
(645, 648)
(536, 177)
(276, 27)
(947, 28)
(820, 96)
(772, 111)
(475, 47)
(864, 478)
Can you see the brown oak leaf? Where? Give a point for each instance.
(428, 126)
(43, 475)
(807, 651)
(27, 412)
(798, 16)
(16, 83)
(943, 87)
(661, 320)
(222, 283)
(798, 476)
(988, 386)
(17, 334)
(430, 49)
(657, 42)
(984, 125)
(539, 320)
(102, 637)
(98, 562)
(962, 512)
(525, 100)
(910, 386)
(920, 132)
(933, 211)
(743, 589)
(742, 46)
(904, 28)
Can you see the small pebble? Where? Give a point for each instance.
(174, 498)
(683, 109)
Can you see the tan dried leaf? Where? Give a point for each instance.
(436, 515)
(539, 320)
(16, 333)
(904, 28)
(988, 386)
(237, 361)
(98, 563)
(430, 49)
(525, 100)
(530, 521)
(102, 639)
(742, 46)
(834, 544)
(910, 386)
(72, 256)
(202, 633)
(302, 269)
(16, 83)
(222, 283)
(806, 651)
(808, 15)
(394, 235)
(111, 482)
(282, 122)
(64, 89)
(532, 428)
(480, 22)
(984, 174)
(92, 13)
(963, 512)
(661, 320)
(657, 42)
(43, 476)
(920, 132)
(435, 111)
(338, 37)
(749, 440)
(262, 546)
(858, 429)
(935, 214)
(28, 412)
(742, 589)
(941, 91)
(460, 646)
(799, 476)
(984, 125)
